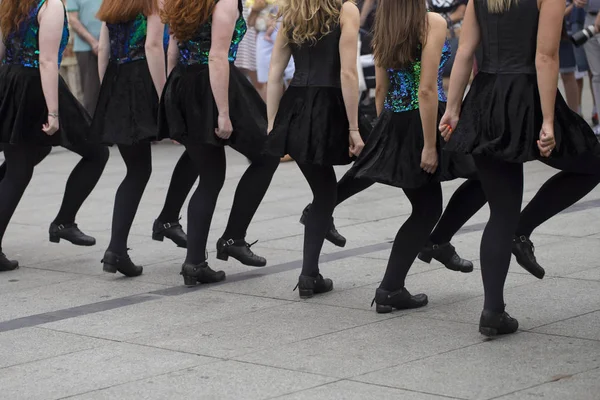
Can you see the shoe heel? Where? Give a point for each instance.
(306, 293)
(486, 331)
(426, 258)
(222, 255)
(383, 309)
(158, 237)
(109, 268)
(190, 280)
(54, 238)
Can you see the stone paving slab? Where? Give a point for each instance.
(76, 331)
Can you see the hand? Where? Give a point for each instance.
(51, 127)
(225, 128)
(269, 33)
(546, 143)
(448, 124)
(356, 143)
(579, 3)
(95, 47)
(429, 160)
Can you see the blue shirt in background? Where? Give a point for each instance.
(87, 10)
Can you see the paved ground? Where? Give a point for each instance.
(68, 330)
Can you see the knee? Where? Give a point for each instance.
(141, 172)
(101, 156)
(268, 163)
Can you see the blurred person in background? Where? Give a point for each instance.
(82, 18)
(568, 63)
(246, 56)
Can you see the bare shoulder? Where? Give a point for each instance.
(349, 10)
(436, 21)
(53, 7)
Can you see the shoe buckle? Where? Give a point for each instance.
(435, 247)
(230, 242)
(167, 225)
(60, 227)
(523, 238)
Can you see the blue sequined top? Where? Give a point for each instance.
(195, 50)
(403, 94)
(128, 40)
(23, 46)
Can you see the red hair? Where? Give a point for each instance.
(117, 11)
(185, 16)
(13, 13)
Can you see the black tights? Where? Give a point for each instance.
(17, 170)
(210, 164)
(138, 160)
(426, 204)
(184, 176)
(322, 181)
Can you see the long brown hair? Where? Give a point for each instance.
(307, 20)
(185, 16)
(117, 11)
(13, 13)
(400, 29)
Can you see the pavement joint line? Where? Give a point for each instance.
(279, 396)
(58, 315)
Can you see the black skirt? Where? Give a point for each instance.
(23, 110)
(311, 126)
(127, 107)
(502, 117)
(188, 112)
(392, 155)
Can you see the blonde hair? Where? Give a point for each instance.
(500, 6)
(307, 20)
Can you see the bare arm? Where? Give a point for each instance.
(382, 85)
(223, 25)
(172, 55)
(82, 31)
(51, 20)
(366, 10)
(428, 86)
(155, 52)
(349, 21)
(546, 58)
(103, 51)
(458, 14)
(463, 63)
(279, 61)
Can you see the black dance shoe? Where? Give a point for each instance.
(70, 233)
(494, 323)
(332, 236)
(308, 286)
(240, 250)
(169, 230)
(200, 273)
(114, 262)
(6, 264)
(523, 250)
(445, 254)
(400, 300)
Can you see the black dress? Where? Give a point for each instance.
(188, 112)
(311, 124)
(501, 115)
(23, 109)
(392, 154)
(127, 107)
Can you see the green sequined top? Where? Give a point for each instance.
(23, 46)
(128, 40)
(403, 94)
(196, 50)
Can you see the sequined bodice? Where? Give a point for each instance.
(128, 40)
(196, 50)
(23, 47)
(403, 94)
(508, 39)
(318, 64)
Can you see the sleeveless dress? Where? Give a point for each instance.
(188, 112)
(23, 109)
(127, 107)
(392, 155)
(311, 124)
(501, 115)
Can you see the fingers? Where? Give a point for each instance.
(429, 168)
(545, 149)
